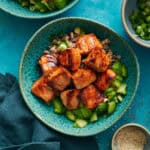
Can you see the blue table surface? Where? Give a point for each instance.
(15, 32)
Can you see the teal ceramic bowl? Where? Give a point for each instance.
(127, 7)
(29, 72)
(13, 8)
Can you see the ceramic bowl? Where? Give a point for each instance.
(13, 8)
(135, 125)
(127, 7)
(29, 72)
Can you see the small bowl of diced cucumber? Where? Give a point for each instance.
(36, 9)
(136, 20)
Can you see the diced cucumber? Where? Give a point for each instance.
(120, 78)
(40, 7)
(34, 1)
(24, 3)
(115, 99)
(94, 117)
(50, 4)
(58, 106)
(79, 31)
(60, 3)
(86, 113)
(101, 108)
(111, 107)
(111, 95)
(116, 83)
(62, 46)
(124, 71)
(117, 67)
(32, 8)
(70, 115)
(83, 113)
(80, 123)
(122, 89)
(120, 69)
(77, 113)
(120, 98)
(107, 91)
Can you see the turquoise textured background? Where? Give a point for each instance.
(15, 32)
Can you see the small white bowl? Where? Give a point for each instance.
(145, 131)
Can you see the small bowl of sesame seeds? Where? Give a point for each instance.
(131, 137)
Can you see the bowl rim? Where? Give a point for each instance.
(128, 125)
(42, 15)
(124, 4)
(91, 21)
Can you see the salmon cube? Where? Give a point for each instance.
(70, 59)
(70, 98)
(91, 97)
(47, 62)
(59, 78)
(41, 89)
(83, 77)
(98, 60)
(87, 43)
(104, 80)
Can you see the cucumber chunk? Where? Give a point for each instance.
(120, 98)
(94, 117)
(34, 1)
(120, 78)
(50, 5)
(120, 69)
(101, 108)
(86, 113)
(109, 90)
(116, 83)
(60, 3)
(70, 115)
(24, 3)
(83, 113)
(62, 46)
(117, 67)
(124, 71)
(115, 99)
(58, 106)
(111, 107)
(40, 7)
(122, 89)
(79, 31)
(80, 123)
(111, 95)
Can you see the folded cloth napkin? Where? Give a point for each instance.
(20, 130)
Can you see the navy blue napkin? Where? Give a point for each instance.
(20, 130)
